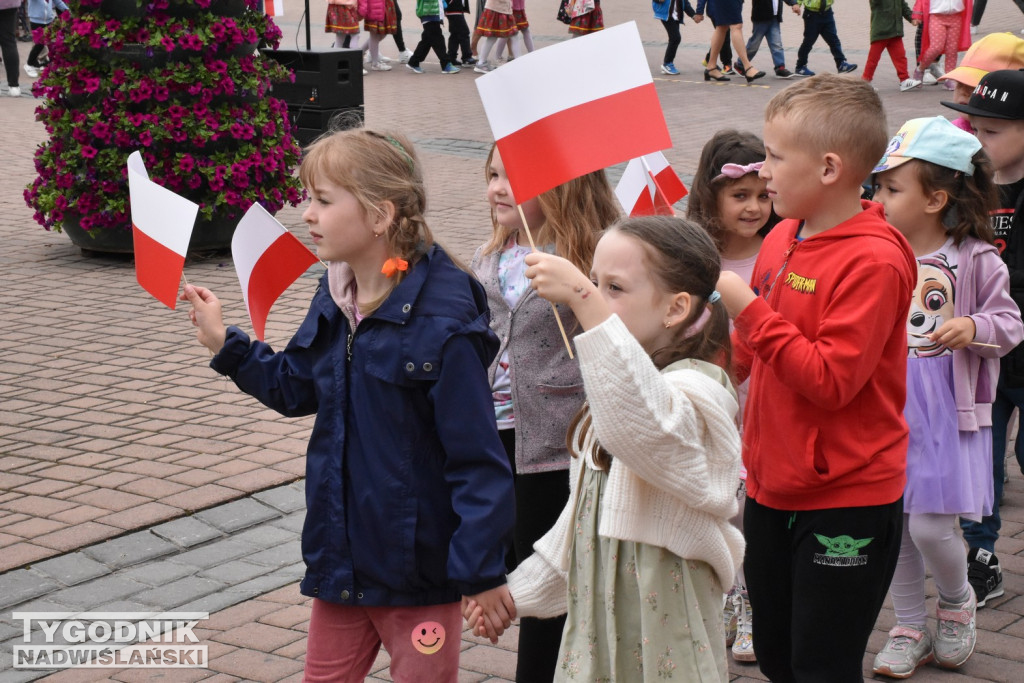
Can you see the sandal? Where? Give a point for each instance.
(757, 74)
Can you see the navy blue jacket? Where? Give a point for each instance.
(409, 496)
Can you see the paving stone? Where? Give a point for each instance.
(187, 531)
(94, 593)
(279, 556)
(265, 536)
(238, 514)
(180, 592)
(235, 572)
(72, 569)
(255, 665)
(158, 573)
(284, 498)
(292, 522)
(23, 584)
(131, 549)
(214, 553)
(262, 584)
(263, 637)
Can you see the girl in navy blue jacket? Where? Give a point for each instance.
(409, 493)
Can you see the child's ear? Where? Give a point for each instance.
(831, 168)
(679, 309)
(937, 201)
(385, 215)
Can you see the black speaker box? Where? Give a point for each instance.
(309, 123)
(324, 78)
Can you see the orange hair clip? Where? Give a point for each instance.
(393, 265)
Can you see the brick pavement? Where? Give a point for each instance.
(112, 426)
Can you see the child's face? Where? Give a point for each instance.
(1003, 141)
(338, 224)
(744, 208)
(623, 277)
(962, 93)
(790, 170)
(503, 204)
(900, 192)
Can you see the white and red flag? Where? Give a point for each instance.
(268, 259)
(649, 187)
(273, 8)
(162, 223)
(572, 108)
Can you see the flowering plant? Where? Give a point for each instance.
(189, 91)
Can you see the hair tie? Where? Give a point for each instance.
(736, 171)
(698, 324)
(715, 296)
(393, 265)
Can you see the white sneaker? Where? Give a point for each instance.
(743, 646)
(380, 66)
(928, 79)
(32, 71)
(974, 30)
(365, 72)
(729, 617)
(957, 633)
(906, 649)
(909, 84)
(483, 68)
(404, 56)
(14, 91)
(366, 57)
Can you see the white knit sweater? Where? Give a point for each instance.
(674, 474)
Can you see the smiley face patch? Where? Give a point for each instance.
(428, 637)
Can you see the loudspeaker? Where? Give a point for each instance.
(309, 123)
(324, 78)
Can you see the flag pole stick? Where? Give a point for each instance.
(558, 318)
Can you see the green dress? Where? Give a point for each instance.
(637, 612)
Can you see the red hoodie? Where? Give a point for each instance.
(825, 346)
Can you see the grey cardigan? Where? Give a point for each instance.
(547, 389)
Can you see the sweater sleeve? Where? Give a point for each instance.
(996, 317)
(676, 431)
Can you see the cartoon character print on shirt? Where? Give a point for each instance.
(931, 306)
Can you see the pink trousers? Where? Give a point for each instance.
(423, 642)
(943, 38)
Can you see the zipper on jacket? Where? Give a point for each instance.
(785, 262)
(348, 346)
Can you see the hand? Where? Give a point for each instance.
(795, 8)
(955, 334)
(206, 315)
(697, 18)
(560, 282)
(915, 22)
(493, 613)
(736, 294)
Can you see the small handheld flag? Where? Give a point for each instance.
(162, 223)
(649, 186)
(268, 259)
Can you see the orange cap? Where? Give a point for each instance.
(994, 52)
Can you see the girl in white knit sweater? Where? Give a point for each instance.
(639, 555)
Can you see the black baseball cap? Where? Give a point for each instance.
(999, 95)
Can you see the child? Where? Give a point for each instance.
(947, 30)
(455, 12)
(731, 202)
(342, 20)
(822, 336)
(670, 14)
(996, 111)
(820, 21)
(379, 20)
(936, 187)
(40, 15)
(766, 18)
(583, 20)
(994, 52)
(536, 385)
(887, 34)
(522, 23)
(409, 494)
(639, 556)
(429, 12)
(496, 22)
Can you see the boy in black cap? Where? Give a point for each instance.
(996, 111)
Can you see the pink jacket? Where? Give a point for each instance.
(372, 9)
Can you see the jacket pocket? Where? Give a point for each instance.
(800, 466)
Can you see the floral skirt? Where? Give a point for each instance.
(520, 17)
(589, 22)
(386, 27)
(637, 612)
(497, 25)
(342, 20)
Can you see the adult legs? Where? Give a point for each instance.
(672, 29)
(9, 44)
(717, 40)
(736, 33)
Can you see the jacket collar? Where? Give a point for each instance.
(397, 307)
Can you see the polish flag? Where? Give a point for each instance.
(162, 223)
(572, 108)
(268, 259)
(273, 8)
(649, 187)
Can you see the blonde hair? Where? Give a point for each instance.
(376, 168)
(575, 213)
(836, 115)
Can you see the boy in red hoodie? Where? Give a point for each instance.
(822, 336)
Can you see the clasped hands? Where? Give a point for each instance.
(489, 613)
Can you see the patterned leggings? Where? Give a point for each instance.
(944, 38)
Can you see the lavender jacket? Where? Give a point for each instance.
(983, 286)
(547, 389)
